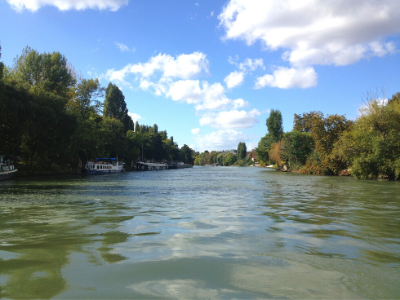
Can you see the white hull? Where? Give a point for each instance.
(104, 166)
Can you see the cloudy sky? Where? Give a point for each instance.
(209, 72)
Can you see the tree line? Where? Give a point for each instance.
(225, 158)
(368, 147)
(50, 117)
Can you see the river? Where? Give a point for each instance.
(206, 232)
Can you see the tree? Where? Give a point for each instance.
(187, 154)
(87, 97)
(1, 68)
(395, 98)
(326, 131)
(241, 151)
(114, 104)
(372, 146)
(275, 154)
(296, 147)
(303, 123)
(115, 107)
(46, 71)
(230, 159)
(155, 128)
(264, 145)
(274, 124)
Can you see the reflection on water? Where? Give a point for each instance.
(199, 233)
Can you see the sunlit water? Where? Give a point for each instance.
(206, 232)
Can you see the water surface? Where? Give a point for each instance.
(206, 232)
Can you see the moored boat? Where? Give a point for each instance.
(176, 165)
(7, 170)
(104, 166)
(149, 166)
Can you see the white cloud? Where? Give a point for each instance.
(248, 65)
(313, 31)
(135, 117)
(196, 131)
(205, 96)
(285, 78)
(234, 79)
(233, 119)
(34, 5)
(184, 66)
(251, 64)
(118, 75)
(124, 47)
(222, 140)
(212, 13)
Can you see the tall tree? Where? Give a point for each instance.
(114, 104)
(88, 93)
(1, 67)
(274, 124)
(241, 151)
(46, 71)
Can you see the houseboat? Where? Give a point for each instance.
(104, 166)
(150, 166)
(7, 170)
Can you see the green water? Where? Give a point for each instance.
(206, 232)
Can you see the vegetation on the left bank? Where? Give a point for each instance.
(53, 119)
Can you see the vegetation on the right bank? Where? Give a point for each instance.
(368, 147)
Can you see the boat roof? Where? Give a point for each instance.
(99, 159)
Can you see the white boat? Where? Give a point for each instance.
(7, 170)
(104, 166)
(148, 166)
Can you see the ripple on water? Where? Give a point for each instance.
(199, 233)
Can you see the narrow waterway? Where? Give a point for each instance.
(206, 232)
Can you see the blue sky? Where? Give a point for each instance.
(208, 72)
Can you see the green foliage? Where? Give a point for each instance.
(45, 71)
(115, 106)
(241, 151)
(304, 123)
(187, 154)
(264, 146)
(395, 98)
(372, 147)
(296, 147)
(222, 158)
(274, 124)
(49, 117)
(1, 68)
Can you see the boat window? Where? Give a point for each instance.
(97, 167)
